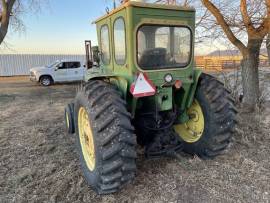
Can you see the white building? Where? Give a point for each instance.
(12, 64)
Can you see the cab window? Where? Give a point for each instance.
(61, 66)
(120, 41)
(73, 65)
(162, 47)
(105, 44)
(69, 65)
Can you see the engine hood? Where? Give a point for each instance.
(35, 69)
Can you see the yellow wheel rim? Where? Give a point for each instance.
(86, 139)
(67, 120)
(192, 130)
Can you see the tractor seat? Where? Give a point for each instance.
(152, 58)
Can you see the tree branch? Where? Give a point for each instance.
(185, 3)
(267, 2)
(202, 18)
(264, 28)
(220, 19)
(246, 19)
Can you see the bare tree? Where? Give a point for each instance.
(251, 25)
(5, 14)
(11, 12)
(174, 2)
(268, 47)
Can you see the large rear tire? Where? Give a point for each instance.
(105, 138)
(212, 120)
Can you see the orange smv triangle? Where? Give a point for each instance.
(142, 87)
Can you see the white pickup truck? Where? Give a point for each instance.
(59, 71)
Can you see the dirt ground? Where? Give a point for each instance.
(39, 163)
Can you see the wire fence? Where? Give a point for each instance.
(223, 62)
(20, 64)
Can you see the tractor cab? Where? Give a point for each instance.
(150, 39)
(146, 37)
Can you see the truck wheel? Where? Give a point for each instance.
(69, 118)
(46, 80)
(212, 120)
(105, 138)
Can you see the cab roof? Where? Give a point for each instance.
(146, 5)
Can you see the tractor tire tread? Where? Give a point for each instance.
(113, 135)
(222, 106)
(221, 118)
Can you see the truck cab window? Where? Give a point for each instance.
(61, 66)
(74, 64)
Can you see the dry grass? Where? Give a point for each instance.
(39, 162)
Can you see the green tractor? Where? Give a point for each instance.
(146, 90)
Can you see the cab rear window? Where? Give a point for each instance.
(162, 47)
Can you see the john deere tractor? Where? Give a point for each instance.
(146, 90)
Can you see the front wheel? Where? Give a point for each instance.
(46, 80)
(69, 118)
(212, 120)
(105, 139)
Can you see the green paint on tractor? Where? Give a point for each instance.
(142, 87)
(163, 18)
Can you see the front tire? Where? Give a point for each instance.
(69, 119)
(209, 133)
(46, 80)
(110, 162)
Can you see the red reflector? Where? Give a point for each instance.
(142, 87)
(178, 84)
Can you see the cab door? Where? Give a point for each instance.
(119, 38)
(75, 72)
(60, 72)
(105, 42)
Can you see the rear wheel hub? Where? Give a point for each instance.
(192, 130)
(86, 138)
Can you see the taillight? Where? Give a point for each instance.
(178, 84)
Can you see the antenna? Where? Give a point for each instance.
(114, 4)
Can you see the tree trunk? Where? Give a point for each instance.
(268, 47)
(4, 26)
(6, 8)
(3, 32)
(250, 75)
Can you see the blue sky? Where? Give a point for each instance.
(60, 28)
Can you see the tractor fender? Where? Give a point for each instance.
(193, 87)
(120, 82)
